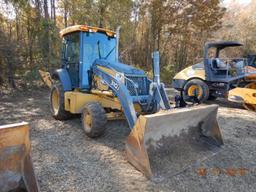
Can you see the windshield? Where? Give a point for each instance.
(98, 45)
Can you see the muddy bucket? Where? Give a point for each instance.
(164, 143)
(16, 169)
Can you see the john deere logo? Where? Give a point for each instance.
(115, 85)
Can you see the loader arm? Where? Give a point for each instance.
(119, 90)
(157, 96)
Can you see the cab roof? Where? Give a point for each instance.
(223, 44)
(76, 28)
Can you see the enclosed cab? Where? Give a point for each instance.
(80, 47)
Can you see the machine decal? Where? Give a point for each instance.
(115, 85)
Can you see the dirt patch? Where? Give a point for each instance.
(66, 160)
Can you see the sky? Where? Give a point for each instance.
(7, 11)
(243, 2)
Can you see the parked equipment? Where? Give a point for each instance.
(215, 77)
(16, 168)
(245, 96)
(92, 82)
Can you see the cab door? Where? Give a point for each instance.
(72, 57)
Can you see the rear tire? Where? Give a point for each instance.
(198, 86)
(57, 102)
(94, 119)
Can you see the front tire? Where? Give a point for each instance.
(94, 119)
(57, 102)
(195, 89)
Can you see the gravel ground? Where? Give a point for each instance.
(66, 160)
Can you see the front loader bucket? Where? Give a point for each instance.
(16, 169)
(166, 142)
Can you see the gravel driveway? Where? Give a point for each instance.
(66, 160)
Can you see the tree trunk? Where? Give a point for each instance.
(53, 11)
(11, 81)
(38, 9)
(65, 13)
(17, 24)
(46, 50)
(1, 76)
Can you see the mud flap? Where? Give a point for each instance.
(16, 168)
(164, 143)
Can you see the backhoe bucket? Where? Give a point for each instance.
(166, 142)
(16, 169)
(46, 78)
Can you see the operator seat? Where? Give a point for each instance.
(219, 64)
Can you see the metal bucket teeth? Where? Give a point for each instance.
(170, 139)
(16, 168)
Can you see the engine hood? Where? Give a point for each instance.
(120, 67)
(194, 71)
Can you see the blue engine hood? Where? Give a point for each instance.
(120, 67)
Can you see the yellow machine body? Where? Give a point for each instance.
(16, 168)
(75, 101)
(245, 96)
(190, 73)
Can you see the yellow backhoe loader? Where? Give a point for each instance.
(16, 168)
(94, 83)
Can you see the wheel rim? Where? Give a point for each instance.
(87, 121)
(195, 90)
(55, 101)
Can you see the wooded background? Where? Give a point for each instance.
(29, 31)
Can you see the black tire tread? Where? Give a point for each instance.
(99, 119)
(62, 113)
(205, 87)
